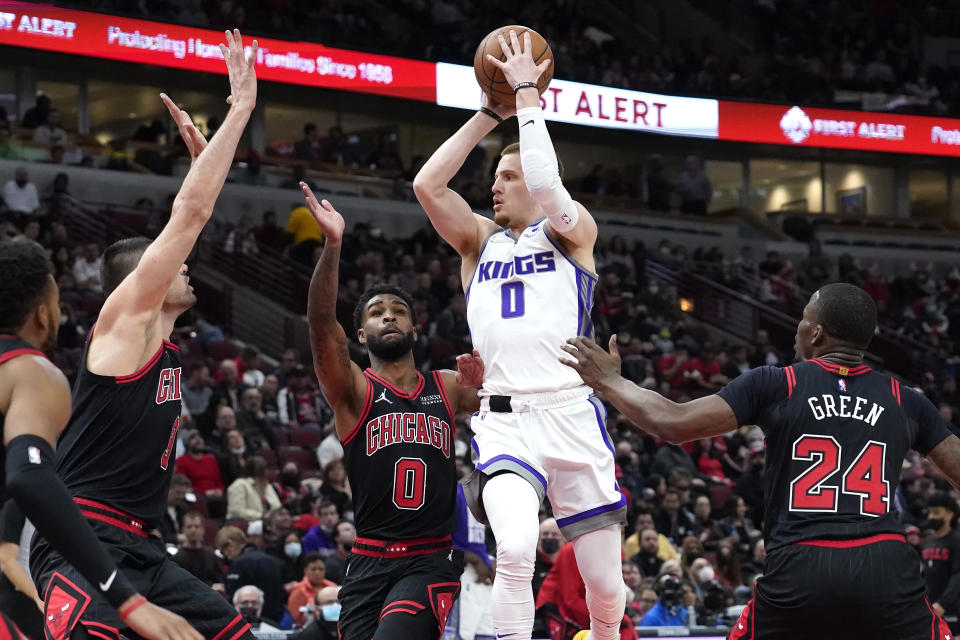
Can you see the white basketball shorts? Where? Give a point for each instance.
(559, 443)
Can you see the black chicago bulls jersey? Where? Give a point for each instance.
(118, 447)
(10, 348)
(400, 461)
(836, 438)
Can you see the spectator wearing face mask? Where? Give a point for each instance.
(248, 601)
(288, 486)
(325, 617)
(940, 553)
(250, 566)
(233, 463)
(344, 534)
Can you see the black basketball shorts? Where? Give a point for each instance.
(75, 608)
(868, 588)
(399, 590)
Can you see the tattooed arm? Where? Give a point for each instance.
(341, 381)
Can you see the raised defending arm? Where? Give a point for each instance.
(668, 420)
(340, 379)
(142, 293)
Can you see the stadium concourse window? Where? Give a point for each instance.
(928, 193)
(8, 94)
(860, 190)
(64, 97)
(785, 185)
(140, 115)
(727, 180)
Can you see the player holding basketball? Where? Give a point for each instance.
(398, 434)
(838, 565)
(34, 407)
(529, 282)
(114, 455)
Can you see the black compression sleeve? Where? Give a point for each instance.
(12, 522)
(33, 483)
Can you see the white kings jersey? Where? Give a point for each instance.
(525, 299)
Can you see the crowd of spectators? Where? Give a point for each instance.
(859, 46)
(259, 475)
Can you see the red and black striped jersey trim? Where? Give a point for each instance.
(841, 370)
(895, 389)
(791, 379)
(400, 393)
(367, 403)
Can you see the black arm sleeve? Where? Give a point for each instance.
(12, 522)
(930, 429)
(752, 394)
(33, 483)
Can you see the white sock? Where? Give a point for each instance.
(598, 558)
(512, 507)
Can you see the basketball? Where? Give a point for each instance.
(491, 79)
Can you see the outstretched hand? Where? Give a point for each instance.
(519, 65)
(240, 70)
(330, 221)
(188, 131)
(597, 367)
(470, 370)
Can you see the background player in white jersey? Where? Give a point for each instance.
(540, 431)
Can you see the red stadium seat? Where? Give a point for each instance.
(281, 436)
(269, 457)
(305, 459)
(719, 494)
(306, 438)
(222, 351)
(210, 531)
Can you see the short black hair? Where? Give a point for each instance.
(847, 313)
(379, 289)
(26, 273)
(313, 556)
(943, 499)
(119, 261)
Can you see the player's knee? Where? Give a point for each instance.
(604, 586)
(516, 555)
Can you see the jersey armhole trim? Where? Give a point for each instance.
(367, 403)
(483, 245)
(29, 351)
(791, 380)
(895, 389)
(443, 394)
(142, 371)
(566, 254)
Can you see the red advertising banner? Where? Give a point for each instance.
(40, 26)
(833, 128)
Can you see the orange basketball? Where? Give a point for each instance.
(491, 79)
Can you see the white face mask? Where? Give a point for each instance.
(238, 450)
(292, 550)
(706, 574)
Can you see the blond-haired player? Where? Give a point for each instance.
(529, 278)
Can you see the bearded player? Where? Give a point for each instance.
(398, 433)
(114, 455)
(838, 565)
(34, 408)
(529, 277)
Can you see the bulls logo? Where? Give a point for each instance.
(168, 389)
